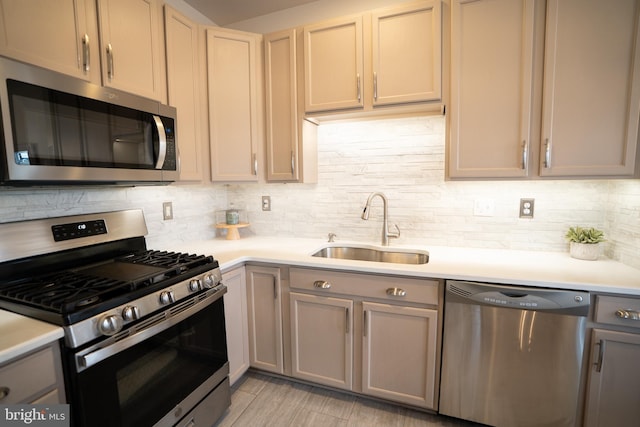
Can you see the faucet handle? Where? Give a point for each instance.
(332, 236)
(394, 234)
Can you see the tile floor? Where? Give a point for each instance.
(262, 400)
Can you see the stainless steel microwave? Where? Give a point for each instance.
(59, 130)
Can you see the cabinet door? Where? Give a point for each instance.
(233, 101)
(132, 54)
(265, 318)
(399, 353)
(614, 379)
(333, 65)
(589, 46)
(281, 106)
(492, 47)
(60, 35)
(322, 339)
(236, 321)
(406, 53)
(183, 85)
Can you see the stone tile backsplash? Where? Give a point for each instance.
(405, 159)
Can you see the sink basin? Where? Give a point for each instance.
(363, 253)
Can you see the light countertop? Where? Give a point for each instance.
(526, 268)
(20, 334)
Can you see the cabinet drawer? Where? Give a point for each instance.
(611, 310)
(28, 376)
(422, 291)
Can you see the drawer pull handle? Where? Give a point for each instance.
(628, 314)
(322, 284)
(4, 392)
(396, 292)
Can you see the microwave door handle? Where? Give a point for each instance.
(162, 139)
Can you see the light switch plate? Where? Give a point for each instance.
(483, 207)
(167, 211)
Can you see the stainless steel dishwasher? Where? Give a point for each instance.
(512, 356)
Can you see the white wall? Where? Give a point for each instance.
(404, 158)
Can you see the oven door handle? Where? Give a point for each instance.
(146, 329)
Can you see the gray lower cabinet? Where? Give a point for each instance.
(614, 378)
(399, 353)
(322, 339)
(235, 315)
(370, 334)
(264, 309)
(35, 378)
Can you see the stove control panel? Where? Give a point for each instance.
(76, 230)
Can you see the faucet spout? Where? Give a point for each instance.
(386, 234)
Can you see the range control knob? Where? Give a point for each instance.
(130, 312)
(195, 285)
(209, 281)
(110, 324)
(167, 297)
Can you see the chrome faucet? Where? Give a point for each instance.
(385, 224)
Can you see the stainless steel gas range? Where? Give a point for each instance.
(145, 340)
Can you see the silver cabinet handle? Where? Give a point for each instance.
(547, 153)
(322, 284)
(293, 163)
(86, 60)
(375, 86)
(364, 323)
(524, 155)
(255, 164)
(396, 292)
(4, 392)
(110, 72)
(347, 318)
(275, 290)
(600, 360)
(359, 91)
(628, 314)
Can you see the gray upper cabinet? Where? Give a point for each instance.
(491, 88)
(591, 45)
(60, 36)
(523, 90)
(184, 90)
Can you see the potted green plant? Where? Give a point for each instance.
(584, 243)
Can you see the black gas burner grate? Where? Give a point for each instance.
(72, 290)
(65, 292)
(181, 262)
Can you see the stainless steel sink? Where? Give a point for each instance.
(363, 253)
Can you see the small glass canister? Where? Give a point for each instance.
(232, 216)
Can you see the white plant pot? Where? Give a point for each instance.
(586, 251)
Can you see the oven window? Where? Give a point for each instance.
(140, 385)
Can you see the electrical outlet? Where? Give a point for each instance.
(526, 208)
(483, 207)
(167, 211)
(266, 203)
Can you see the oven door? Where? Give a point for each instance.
(157, 374)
